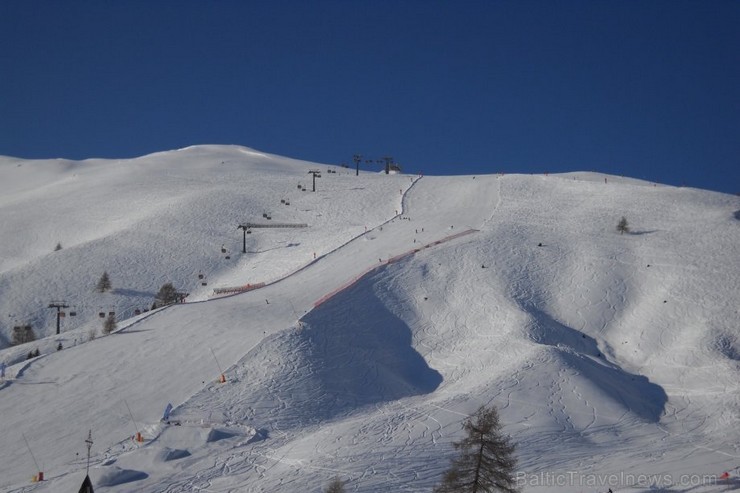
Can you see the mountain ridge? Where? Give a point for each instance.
(593, 344)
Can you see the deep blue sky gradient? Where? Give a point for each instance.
(648, 89)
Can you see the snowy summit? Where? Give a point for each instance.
(347, 332)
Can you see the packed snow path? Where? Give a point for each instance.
(115, 372)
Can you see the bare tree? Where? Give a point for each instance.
(486, 462)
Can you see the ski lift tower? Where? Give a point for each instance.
(247, 228)
(388, 162)
(58, 305)
(316, 174)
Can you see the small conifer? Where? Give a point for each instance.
(110, 324)
(104, 283)
(622, 226)
(336, 486)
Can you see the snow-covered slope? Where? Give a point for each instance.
(165, 218)
(405, 304)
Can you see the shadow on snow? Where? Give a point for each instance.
(358, 353)
(133, 293)
(581, 352)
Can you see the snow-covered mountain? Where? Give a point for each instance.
(401, 306)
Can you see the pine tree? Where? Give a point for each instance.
(58, 247)
(336, 486)
(110, 324)
(167, 295)
(486, 462)
(104, 283)
(622, 226)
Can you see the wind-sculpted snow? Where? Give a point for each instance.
(613, 358)
(633, 393)
(367, 359)
(116, 476)
(322, 370)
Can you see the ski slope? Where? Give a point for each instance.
(407, 303)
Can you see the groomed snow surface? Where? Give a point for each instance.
(406, 304)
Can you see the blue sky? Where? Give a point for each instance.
(647, 89)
